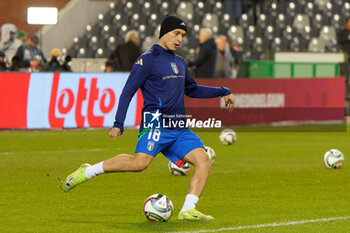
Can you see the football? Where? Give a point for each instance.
(179, 171)
(158, 208)
(333, 159)
(228, 136)
(211, 154)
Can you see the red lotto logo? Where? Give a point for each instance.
(63, 101)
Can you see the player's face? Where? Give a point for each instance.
(173, 39)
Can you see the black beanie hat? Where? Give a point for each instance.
(171, 22)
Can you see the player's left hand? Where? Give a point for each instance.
(229, 102)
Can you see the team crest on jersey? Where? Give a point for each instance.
(175, 69)
(150, 145)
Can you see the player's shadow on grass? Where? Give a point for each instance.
(168, 226)
(145, 226)
(105, 223)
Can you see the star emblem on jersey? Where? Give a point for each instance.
(156, 115)
(174, 67)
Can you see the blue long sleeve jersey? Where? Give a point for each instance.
(164, 80)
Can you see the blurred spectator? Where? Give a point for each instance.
(3, 66)
(53, 65)
(9, 42)
(36, 63)
(66, 67)
(225, 62)
(15, 63)
(126, 53)
(204, 63)
(344, 38)
(235, 51)
(110, 66)
(27, 51)
(22, 36)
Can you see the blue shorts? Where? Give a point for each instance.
(173, 143)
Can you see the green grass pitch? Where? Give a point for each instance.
(266, 177)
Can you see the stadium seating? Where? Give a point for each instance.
(101, 20)
(345, 10)
(211, 21)
(246, 20)
(185, 10)
(263, 20)
(84, 53)
(235, 32)
(332, 46)
(100, 53)
(335, 21)
(111, 43)
(322, 4)
(273, 10)
(328, 33)
(277, 44)
(219, 9)
(148, 42)
(316, 45)
(300, 22)
(202, 7)
(92, 31)
(251, 33)
(225, 22)
(260, 44)
(299, 25)
(269, 33)
(311, 9)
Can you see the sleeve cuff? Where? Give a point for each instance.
(120, 126)
(225, 91)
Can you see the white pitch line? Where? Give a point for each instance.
(57, 151)
(270, 225)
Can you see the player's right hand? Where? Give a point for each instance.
(229, 102)
(114, 132)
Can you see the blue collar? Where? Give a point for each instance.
(160, 50)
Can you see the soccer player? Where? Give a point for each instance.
(164, 80)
